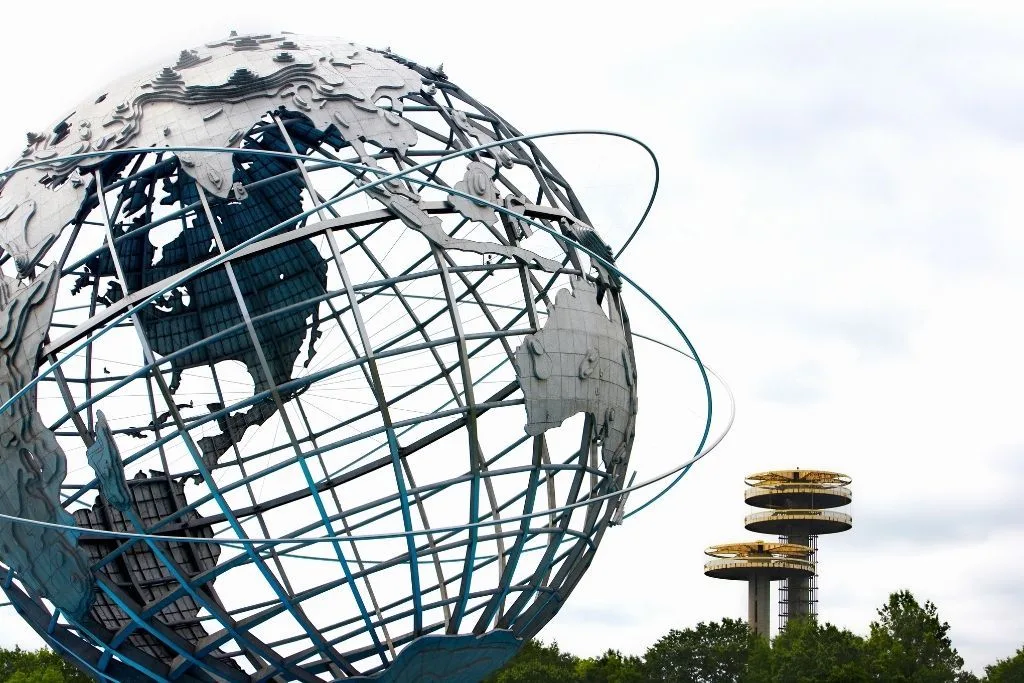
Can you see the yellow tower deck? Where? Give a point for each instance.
(759, 563)
(798, 489)
(783, 522)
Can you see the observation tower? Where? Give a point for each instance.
(797, 508)
(759, 563)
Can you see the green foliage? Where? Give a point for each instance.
(40, 666)
(47, 674)
(1009, 670)
(611, 667)
(910, 644)
(807, 652)
(759, 662)
(539, 663)
(715, 652)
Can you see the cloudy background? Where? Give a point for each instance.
(838, 229)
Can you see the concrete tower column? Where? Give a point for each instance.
(759, 604)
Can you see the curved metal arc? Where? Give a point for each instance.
(701, 451)
(709, 446)
(650, 204)
(226, 255)
(18, 603)
(440, 160)
(251, 540)
(681, 469)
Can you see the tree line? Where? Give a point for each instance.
(908, 643)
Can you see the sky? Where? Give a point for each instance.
(837, 229)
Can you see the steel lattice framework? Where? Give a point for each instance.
(318, 348)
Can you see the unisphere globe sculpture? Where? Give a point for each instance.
(343, 349)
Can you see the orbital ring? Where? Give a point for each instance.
(680, 470)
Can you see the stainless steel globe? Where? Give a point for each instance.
(295, 387)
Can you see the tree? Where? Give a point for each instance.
(47, 674)
(611, 667)
(807, 652)
(40, 666)
(715, 652)
(1009, 670)
(910, 644)
(538, 663)
(759, 662)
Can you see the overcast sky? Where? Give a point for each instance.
(838, 229)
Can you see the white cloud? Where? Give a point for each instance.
(838, 229)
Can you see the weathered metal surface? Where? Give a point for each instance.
(138, 572)
(209, 97)
(477, 183)
(580, 363)
(32, 463)
(105, 459)
(449, 659)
